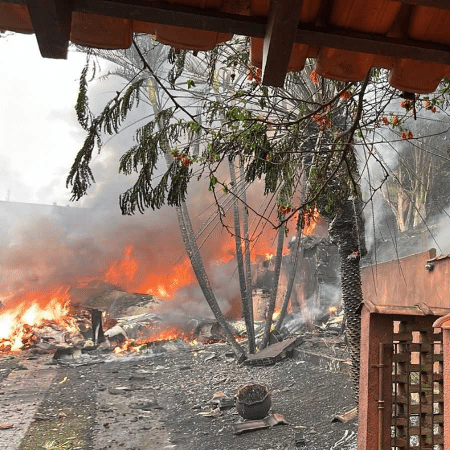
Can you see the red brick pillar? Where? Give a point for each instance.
(444, 324)
(376, 329)
(446, 356)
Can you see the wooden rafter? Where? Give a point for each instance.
(51, 21)
(278, 41)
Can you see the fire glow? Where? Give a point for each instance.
(169, 334)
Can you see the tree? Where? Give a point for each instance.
(418, 173)
(127, 65)
(315, 129)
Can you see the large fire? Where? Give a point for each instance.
(37, 310)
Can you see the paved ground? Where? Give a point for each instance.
(159, 401)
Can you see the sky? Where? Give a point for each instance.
(39, 132)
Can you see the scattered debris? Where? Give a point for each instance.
(147, 406)
(222, 401)
(6, 426)
(216, 412)
(252, 425)
(346, 417)
(299, 439)
(116, 335)
(274, 353)
(97, 326)
(346, 442)
(63, 353)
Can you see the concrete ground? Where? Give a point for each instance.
(162, 400)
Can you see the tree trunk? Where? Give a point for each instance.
(295, 255)
(347, 232)
(247, 261)
(192, 250)
(240, 261)
(274, 291)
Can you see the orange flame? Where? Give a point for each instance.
(168, 334)
(33, 310)
(310, 220)
(332, 310)
(122, 272)
(164, 287)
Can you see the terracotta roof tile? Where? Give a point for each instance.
(346, 37)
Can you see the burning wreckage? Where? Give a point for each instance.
(95, 314)
(110, 318)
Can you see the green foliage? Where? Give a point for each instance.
(82, 105)
(108, 121)
(280, 133)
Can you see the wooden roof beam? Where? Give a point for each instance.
(51, 21)
(280, 37)
(442, 4)
(374, 44)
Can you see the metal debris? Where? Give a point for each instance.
(252, 425)
(222, 401)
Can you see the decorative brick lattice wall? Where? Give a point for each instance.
(417, 387)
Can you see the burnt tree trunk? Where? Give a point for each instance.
(295, 255)
(347, 232)
(193, 252)
(292, 273)
(274, 290)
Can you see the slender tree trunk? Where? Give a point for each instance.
(240, 261)
(295, 255)
(274, 291)
(193, 252)
(247, 261)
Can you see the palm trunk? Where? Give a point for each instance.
(240, 262)
(274, 291)
(347, 232)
